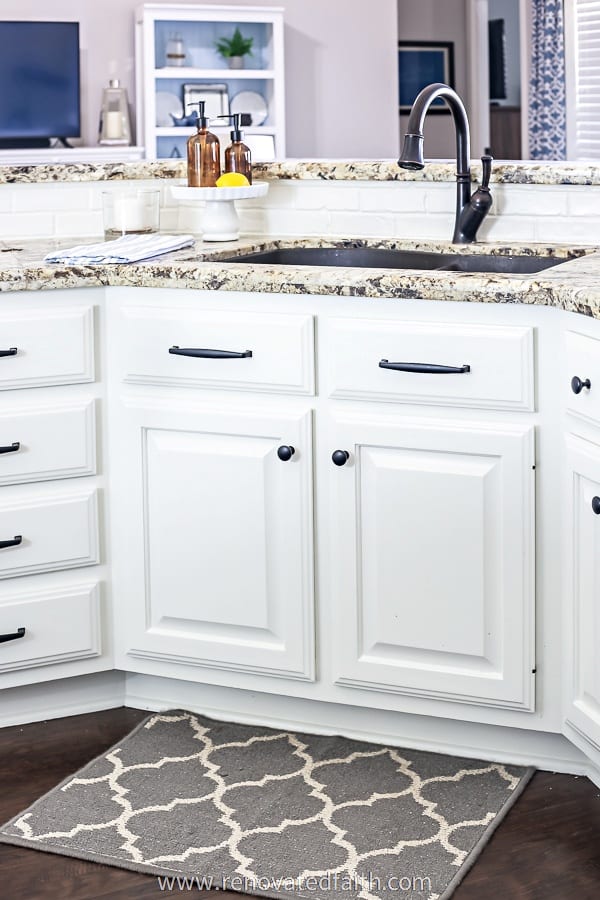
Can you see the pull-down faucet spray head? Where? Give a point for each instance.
(412, 152)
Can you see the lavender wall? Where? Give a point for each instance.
(341, 83)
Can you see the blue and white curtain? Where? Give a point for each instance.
(547, 95)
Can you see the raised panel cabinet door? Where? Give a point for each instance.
(432, 529)
(217, 536)
(583, 595)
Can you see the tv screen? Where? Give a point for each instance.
(497, 51)
(39, 75)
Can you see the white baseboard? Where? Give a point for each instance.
(65, 697)
(550, 752)
(108, 690)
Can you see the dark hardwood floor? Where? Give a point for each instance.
(547, 848)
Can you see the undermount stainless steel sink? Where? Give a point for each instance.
(381, 258)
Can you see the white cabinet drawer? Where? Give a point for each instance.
(57, 529)
(39, 443)
(46, 346)
(497, 363)
(281, 348)
(61, 624)
(583, 369)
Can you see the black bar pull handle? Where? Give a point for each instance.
(19, 633)
(424, 368)
(11, 448)
(14, 543)
(209, 354)
(11, 352)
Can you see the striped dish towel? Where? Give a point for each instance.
(127, 249)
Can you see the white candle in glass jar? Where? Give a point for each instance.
(113, 126)
(130, 213)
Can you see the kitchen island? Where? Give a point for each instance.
(294, 532)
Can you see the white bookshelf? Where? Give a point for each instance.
(200, 27)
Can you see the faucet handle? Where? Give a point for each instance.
(486, 164)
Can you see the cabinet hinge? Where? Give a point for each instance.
(533, 671)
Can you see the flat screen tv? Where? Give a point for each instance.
(39, 79)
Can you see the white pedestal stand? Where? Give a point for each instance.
(220, 220)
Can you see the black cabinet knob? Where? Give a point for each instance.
(285, 452)
(340, 457)
(577, 385)
(596, 505)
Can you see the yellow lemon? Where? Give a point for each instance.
(232, 179)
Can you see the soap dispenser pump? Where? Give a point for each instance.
(203, 153)
(238, 157)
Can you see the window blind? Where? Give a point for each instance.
(585, 95)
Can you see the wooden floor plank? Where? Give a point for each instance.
(547, 848)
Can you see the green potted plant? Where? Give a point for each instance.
(235, 48)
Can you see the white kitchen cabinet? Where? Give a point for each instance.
(425, 561)
(583, 595)
(213, 537)
(54, 597)
(432, 534)
(259, 86)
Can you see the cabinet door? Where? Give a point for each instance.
(432, 527)
(214, 540)
(583, 595)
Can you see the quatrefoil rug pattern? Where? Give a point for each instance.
(202, 803)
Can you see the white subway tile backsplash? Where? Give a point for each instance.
(189, 218)
(311, 208)
(584, 202)
(362, 224)
(297, 222)
(581, 229)
(400, 196)
(281, 195)
(78, 224)
(26, 225)
(169, 219)
(529, 200)
(36, 198)
(423, 226)
(337, 196)
(440, 198)
(508, 228)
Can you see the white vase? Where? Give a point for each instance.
(235, 62)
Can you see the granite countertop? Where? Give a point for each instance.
(574, 286)
(308, 170)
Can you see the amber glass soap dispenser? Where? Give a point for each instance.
(237, 156)
(203, 154)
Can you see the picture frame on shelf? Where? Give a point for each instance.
(421, 63)
(215, 97)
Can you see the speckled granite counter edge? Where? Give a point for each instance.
(306, 170)
(574, 286)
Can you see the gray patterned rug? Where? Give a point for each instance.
(274, 813)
